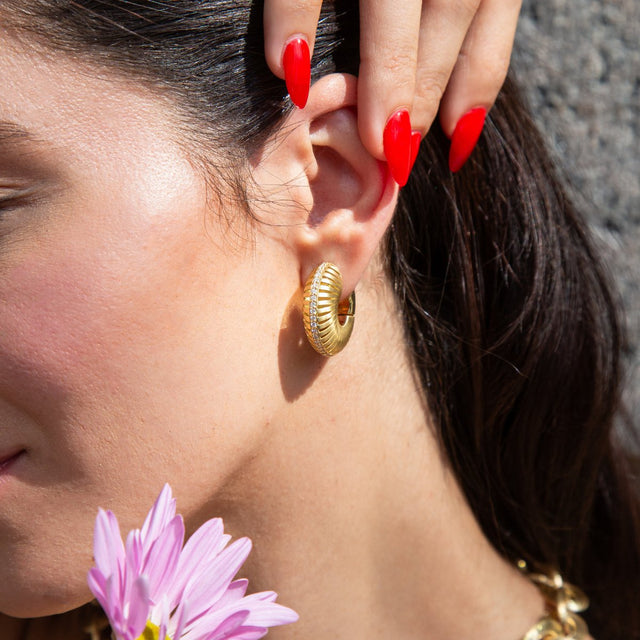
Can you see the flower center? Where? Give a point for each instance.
(151, 632)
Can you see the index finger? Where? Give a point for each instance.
(289, 36)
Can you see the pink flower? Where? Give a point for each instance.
(153, 588)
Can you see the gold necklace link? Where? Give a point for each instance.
(563, 601)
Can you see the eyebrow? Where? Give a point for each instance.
(12, 131)
(21, 150)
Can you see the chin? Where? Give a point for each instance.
(41, 597)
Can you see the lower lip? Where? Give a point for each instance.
(7, 464)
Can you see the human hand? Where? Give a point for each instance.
(416, 58)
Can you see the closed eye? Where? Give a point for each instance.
(12, 202)
(15, 195)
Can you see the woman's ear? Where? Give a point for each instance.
(341, 199)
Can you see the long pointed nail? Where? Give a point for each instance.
(297, 71)
(416, 139)
(465, 137)
(397, 145)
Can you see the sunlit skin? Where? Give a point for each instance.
(145, 337)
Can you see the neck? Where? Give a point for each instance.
(357, 520)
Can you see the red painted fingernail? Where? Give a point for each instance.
(416, 139)
(465, 136)
(397, 145)
(297, 71)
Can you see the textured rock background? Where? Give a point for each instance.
(579, 63)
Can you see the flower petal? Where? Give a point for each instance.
(115, 609)
(199, 552)
(204, 545)
(206, 624)
(182, 594)
(232, 595)
(262, 611)
(162, 559)
(164, 613)
(269, 614)
(248, 633)
(235, 592)
(179, 620)
(226, 628)
(133, 551)
(265, 611)
(98, 585)
(162, 512)
(108, 550)
(138, 613)
(209, 588)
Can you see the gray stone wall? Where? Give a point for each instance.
(579, 63)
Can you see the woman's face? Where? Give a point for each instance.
(133, 343)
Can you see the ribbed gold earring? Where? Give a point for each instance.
(323, 311)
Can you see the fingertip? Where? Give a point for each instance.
(449, 117)
(284, 21)
(455, 107)
(398, 143)
(274, 47)
(374, 123)
(296, 62)
(465, 136)
(416, 139)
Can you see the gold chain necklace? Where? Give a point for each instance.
(563, 602)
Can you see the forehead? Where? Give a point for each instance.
(48, 98)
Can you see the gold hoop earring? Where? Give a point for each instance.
(322, 310)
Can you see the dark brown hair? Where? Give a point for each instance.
(507, 310)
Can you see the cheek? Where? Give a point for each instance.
(127, 352)
(122, 364)
(69, 316)
(44, 326)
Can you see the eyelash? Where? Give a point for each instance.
(12, 199)
(15, 199)
(15, 194)
(8, 204)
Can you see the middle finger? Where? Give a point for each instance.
(443, 28)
